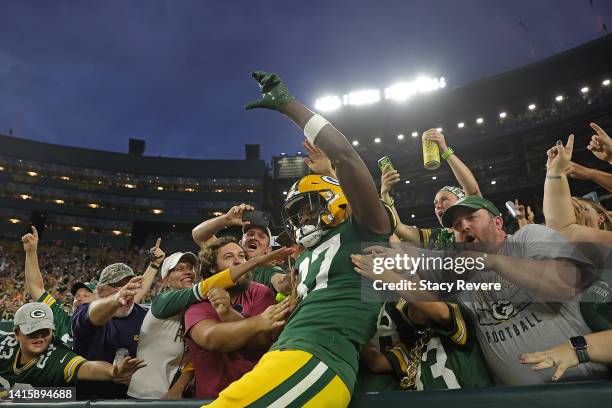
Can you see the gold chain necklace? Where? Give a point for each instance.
(28, 365)
(414, 357)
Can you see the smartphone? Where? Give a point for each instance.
(255, 217)
(385, 162)
(512, 210)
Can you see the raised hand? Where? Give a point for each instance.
(122, 372)
(388, 179)
(317, 161)
(560, 156)
(274, 92)
(127, 292)
(234, 215)
(156, 255)
(437, 137)
(30, 240)
(601, 144)
(521, 209)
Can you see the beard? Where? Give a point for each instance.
(240, 286)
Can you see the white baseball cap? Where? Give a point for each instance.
(171, 261)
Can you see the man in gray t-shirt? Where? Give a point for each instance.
(537, 307)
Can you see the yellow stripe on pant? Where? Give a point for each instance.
(286, 378)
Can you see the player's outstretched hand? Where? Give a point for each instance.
(274, 93)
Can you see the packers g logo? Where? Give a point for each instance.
(38, 313)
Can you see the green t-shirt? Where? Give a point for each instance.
(332, 321)
(57, 367)
(61, 319)
(263, 275)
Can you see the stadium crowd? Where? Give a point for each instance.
(244, 323)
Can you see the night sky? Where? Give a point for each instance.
(176, 73)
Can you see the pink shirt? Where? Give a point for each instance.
(213, 370)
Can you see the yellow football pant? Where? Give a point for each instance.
(286, 378)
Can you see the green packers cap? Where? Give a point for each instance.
(114, 273)
(33, 316)
(90, 286)
(471, 202)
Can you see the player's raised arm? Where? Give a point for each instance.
(355, 179)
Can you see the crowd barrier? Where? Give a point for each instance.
(596, 394)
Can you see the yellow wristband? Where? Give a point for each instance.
(222, 280)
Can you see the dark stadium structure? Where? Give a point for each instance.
(95, 197)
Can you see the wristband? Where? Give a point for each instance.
(152, 265)
(313, 127)
(447, 153)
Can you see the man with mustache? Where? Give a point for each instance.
(109, 323)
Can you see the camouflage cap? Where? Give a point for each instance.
(32, 317)
(114, 273)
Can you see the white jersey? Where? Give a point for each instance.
(161, 347)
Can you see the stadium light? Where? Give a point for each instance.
(404, 90)
(1, 168)
(117, 232)
(493, 182)
(400, 137)
(76, 229)
(25, 196)
(282, 154)
(412, 215)
(460, 125)
(355, 142)
(606, 82)
(32, 173)
(58, 201)
(157, 211)
(502, 115)
(559, 98)
(284, 193)
(415, 134)
(160, 188)
(129, 185)
(480, 121)
(14, 220)
(434, 178)
(584, 89)
(377, 140)
(531, 106)
(364, 97)
(439, 129)
(249, 190)
(189, 190)
(328, 103)
(93, 205)
(407, 181)
(217, 213)
(65, 178)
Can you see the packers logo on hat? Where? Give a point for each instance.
(38, 313)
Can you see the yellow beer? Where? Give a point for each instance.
(431, 152)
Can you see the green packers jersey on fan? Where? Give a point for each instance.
(61, 319)
(452, 357)
(57, 367)
(263, 275)
(332, 321)
(436, 238)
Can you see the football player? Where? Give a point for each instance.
(314, 362)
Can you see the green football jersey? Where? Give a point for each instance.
(61, 319)
(263, 275)
(57, 367)
(332, 321)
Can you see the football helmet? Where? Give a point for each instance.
(314, 194)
